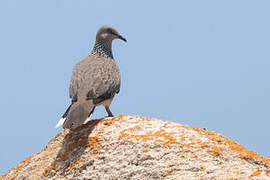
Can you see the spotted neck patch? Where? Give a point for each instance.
(101, 50)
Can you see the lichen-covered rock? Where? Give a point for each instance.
(132, 147)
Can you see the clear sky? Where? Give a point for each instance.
(200, 63)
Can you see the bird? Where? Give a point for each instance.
(94, 81)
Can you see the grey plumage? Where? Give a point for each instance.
(94, 81)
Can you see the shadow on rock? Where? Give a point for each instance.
(74, 145)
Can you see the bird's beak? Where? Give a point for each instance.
(120, 37)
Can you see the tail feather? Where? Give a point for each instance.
(78, 114)
(63, 119)
(60, 122)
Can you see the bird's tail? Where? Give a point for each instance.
(76, 114)
(64, 117)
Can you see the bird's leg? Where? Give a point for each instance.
(108, 111)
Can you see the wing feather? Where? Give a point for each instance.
(95, 78)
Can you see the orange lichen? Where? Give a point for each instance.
(213, 141)
(205, 144)
(57, 135)
(122, 116)
(109, 122)
(75, 174)
(146, 119)
(249, 155)
(145, 150)
(216, 150)
(216, 138)
(51, 167)
(267, 172)
(256, 173)
(159, 136)
(6, 174)
(266, 159)
(202, 168)
(14, 171)
(75, 164)
(168, 139)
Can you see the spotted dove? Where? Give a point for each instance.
(94, 81)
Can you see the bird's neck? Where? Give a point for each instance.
(102, 49)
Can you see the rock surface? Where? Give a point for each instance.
(132, 147)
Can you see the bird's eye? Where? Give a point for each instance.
(109, 30)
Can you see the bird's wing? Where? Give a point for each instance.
(96, 78)
(75, 81)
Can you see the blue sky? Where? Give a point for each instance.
(200, 63)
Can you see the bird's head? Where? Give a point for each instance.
(107, 34)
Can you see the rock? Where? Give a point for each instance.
(132, 147)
